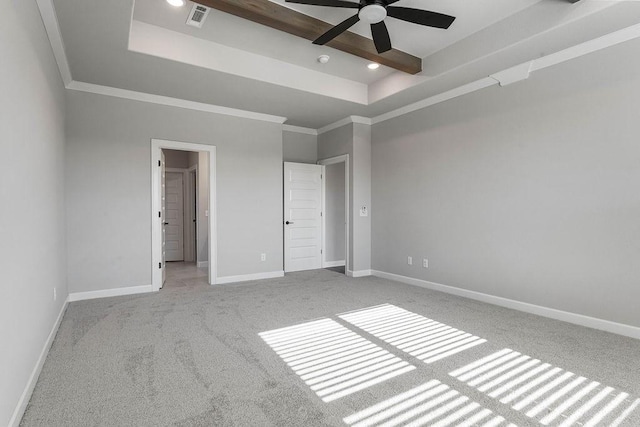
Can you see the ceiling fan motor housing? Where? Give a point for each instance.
(373, 12)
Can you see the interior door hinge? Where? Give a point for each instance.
(320, 213)
(159, 214)
(160, 265)
(159, 163)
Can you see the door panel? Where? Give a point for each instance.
(174, 220)
(302, 209)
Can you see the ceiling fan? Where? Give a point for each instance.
(374, 12)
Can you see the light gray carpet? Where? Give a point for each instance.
(190, 355)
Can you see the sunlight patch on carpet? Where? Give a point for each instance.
(431, 404)
(333, 360)
(412, 333)
(546, 393)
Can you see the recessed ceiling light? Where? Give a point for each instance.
(323, 59)
(176, 3)
(373, 66)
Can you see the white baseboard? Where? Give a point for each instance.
(359, 273)
(565, 316)
(203, 264)
(80, 296)
(333, 264)
(247, 277)
(33, 379)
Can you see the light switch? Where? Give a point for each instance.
(364, 211)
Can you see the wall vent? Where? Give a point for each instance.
(197, 15)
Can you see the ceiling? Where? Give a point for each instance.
(231, 62)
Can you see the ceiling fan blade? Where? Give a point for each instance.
(422, 17)
(381, 37)
(337, 30)
(331, 3)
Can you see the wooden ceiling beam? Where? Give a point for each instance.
(281, 18)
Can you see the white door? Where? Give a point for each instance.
(302, 217)
(163, 216)
(174, 218)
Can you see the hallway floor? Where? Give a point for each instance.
(180, 274)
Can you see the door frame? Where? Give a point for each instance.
(156, 227)
(191, 203)
(331, 161)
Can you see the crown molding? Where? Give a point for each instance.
(52, 27)
(521, 71)
(172, 102)
(513, 74)
(345, 121)
(437, 99)
(503, 77)
(300, 129)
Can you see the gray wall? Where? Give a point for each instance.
(529, 192)
(299, 147)
(109, 194)
(176, 159)
(361, 166)
(334, 212)
(355, 140)
(32, 227)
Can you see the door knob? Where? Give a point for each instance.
(166, 223)
(288, 222)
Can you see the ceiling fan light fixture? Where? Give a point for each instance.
(323, 59)
(373, 66)
(372, 13)
(176, 3)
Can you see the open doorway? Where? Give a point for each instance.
(183, 194)
(335, 200)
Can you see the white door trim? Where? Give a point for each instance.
(156, 228)
(330, 161)
(191, 214)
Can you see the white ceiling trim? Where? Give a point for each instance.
(603, 42)
(172, 102)
(513, 74)
(167, 44)
(522, 70)
(47, 11)
(299, 129)
(51, 25)
(345, 121)
(437, 99)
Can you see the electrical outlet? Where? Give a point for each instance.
(409, 260)
(55, 294)
(425, 263)
(263, 257)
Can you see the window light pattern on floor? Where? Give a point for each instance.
(332, 360)
(546, 393)
(412, 333)
(431, 404)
